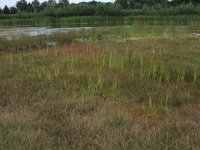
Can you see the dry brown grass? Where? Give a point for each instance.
(66, 97)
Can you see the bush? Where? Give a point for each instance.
(187, 9)
(108, 9)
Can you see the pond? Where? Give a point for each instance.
(34, 31)
(123, 32)
(17, 37)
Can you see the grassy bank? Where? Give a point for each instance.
(121, 88)
(103, 21)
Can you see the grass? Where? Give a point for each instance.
(103, 90)
(24, 43)
(102, 20)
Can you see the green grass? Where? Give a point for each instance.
(108, 88)
(103, 20)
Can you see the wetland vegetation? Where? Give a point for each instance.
(126, 83)
(102, 88)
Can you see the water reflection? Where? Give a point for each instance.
(34, 31)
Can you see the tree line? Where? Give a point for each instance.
(118, 8)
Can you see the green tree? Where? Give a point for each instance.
(6, 10)
(30, 8)
(123, 3)
(108, 9)
(179, 2)
(51, 3)
(63, 3)
(36, 5)
(186, 9)
(42, 6)
(1, 11)
(13, 10)
(22, 5)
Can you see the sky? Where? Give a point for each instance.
(13, 2)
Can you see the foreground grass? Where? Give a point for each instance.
(138, 93)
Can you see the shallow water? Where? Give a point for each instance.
(15, 32)
(34, 31)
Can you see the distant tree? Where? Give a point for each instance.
(138, 5)
(63, 3)
(36, 5)
(123, 3)
(179, 2)
(145, 9)
(198, 9)
(13, 10)
(120, 7)
(83, 9)
(131, 4)
(185, 9)
(108, 9)
(42, 6)
(93, 3)
(30, 8)
(1, 11)
(6, 10)
(51, 3)
(22, 5)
